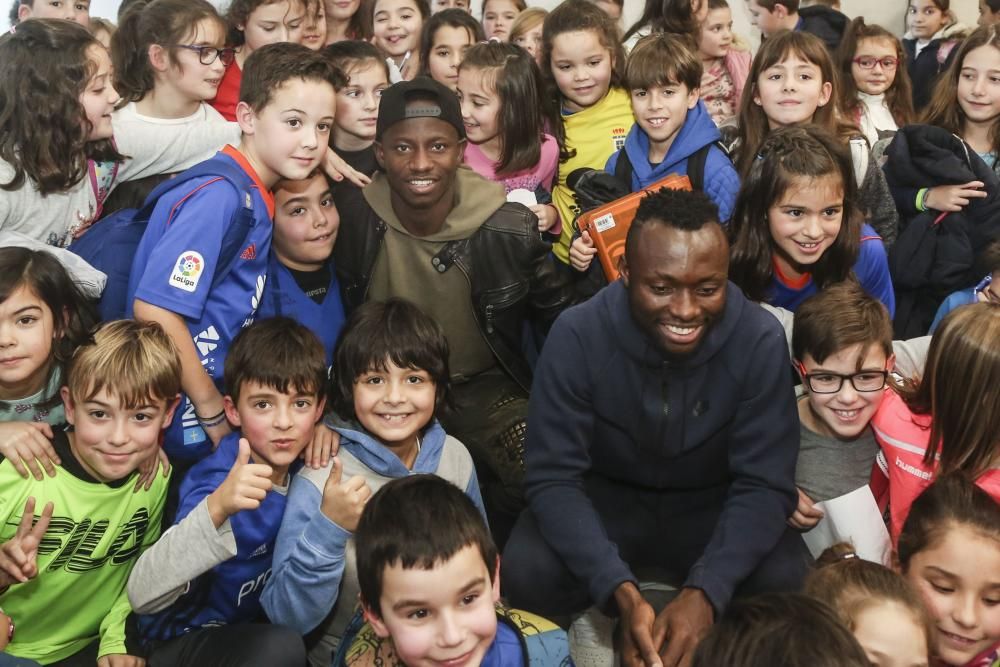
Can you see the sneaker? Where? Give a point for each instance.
(591, 639)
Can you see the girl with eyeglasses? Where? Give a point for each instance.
(949, 420)
(169, 58)
(875, 87)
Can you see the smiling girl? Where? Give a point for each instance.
(949, 551)
(583, 68)
(396, 28)
(795, 228)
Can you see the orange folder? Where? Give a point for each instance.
(608, 225)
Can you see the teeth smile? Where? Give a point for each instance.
(681, 331)
(808, 246)
(846, 414)
(421, 183)
(394, 418)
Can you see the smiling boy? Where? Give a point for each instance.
(286, 113)
(429, 574)
(672, 125)
(199, 586)
(842, 344)
(63, 580)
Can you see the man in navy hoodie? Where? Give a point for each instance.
(662, 434)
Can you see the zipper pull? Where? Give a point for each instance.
(489, 318)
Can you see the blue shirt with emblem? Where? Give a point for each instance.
(229, 592)
(174, 267)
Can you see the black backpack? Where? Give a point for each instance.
(695, 166)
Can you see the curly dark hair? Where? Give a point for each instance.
(44, 68)
(686, 210)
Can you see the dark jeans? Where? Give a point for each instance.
(489, 419)
(662, 530)
(250, 645)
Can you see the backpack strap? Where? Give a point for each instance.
(239, 225)
(698, 160)
(623, 169)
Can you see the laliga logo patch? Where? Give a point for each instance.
(188, 270)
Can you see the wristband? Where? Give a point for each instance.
(214, 420)
(922, 199)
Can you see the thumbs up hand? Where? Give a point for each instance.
(344, 501)
(244, 488)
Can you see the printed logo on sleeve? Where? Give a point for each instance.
(188, 270)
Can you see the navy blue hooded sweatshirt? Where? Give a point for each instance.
(721, 180)
(720, 422)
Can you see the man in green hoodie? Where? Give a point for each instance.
(436, 233)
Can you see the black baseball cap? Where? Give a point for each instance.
(441, 103)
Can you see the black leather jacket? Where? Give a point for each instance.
(513, 275)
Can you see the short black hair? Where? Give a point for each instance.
(382, 331)
(269, 67)
(685, 210)
(276, 352)
(417, 521)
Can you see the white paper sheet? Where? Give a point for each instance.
(854, 518)
(522, 196)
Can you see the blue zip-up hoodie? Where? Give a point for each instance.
(314, 564)
(721, 180)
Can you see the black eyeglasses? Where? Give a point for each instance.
(830, 383)
(869, 62)
(208, 54)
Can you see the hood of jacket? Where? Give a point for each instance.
(613, 303)
(698, 130)
(364, 447)
(951, 31)
(476, 199)
(825, 22)
(920, 155)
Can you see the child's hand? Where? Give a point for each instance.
(244, 488)
(147, 470)
(581, 252)
(325, 443)
(547, 216)
(120, 660)
(337, 169)
(953, 198)
(805, 515)
(18, 554)
(343, 503)
(28, 446)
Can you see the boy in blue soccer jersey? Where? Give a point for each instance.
(286, 109)
(198, 588)
(301, 281)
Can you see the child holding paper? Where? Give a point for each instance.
(842, 349)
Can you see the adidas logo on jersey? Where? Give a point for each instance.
(260, 551)
(207, 340)
(250, 252)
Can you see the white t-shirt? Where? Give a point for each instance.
(152, 146)
(875, 117)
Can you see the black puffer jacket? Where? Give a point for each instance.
(511, 270)
(936, 252)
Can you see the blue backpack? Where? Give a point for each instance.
(110, 245)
